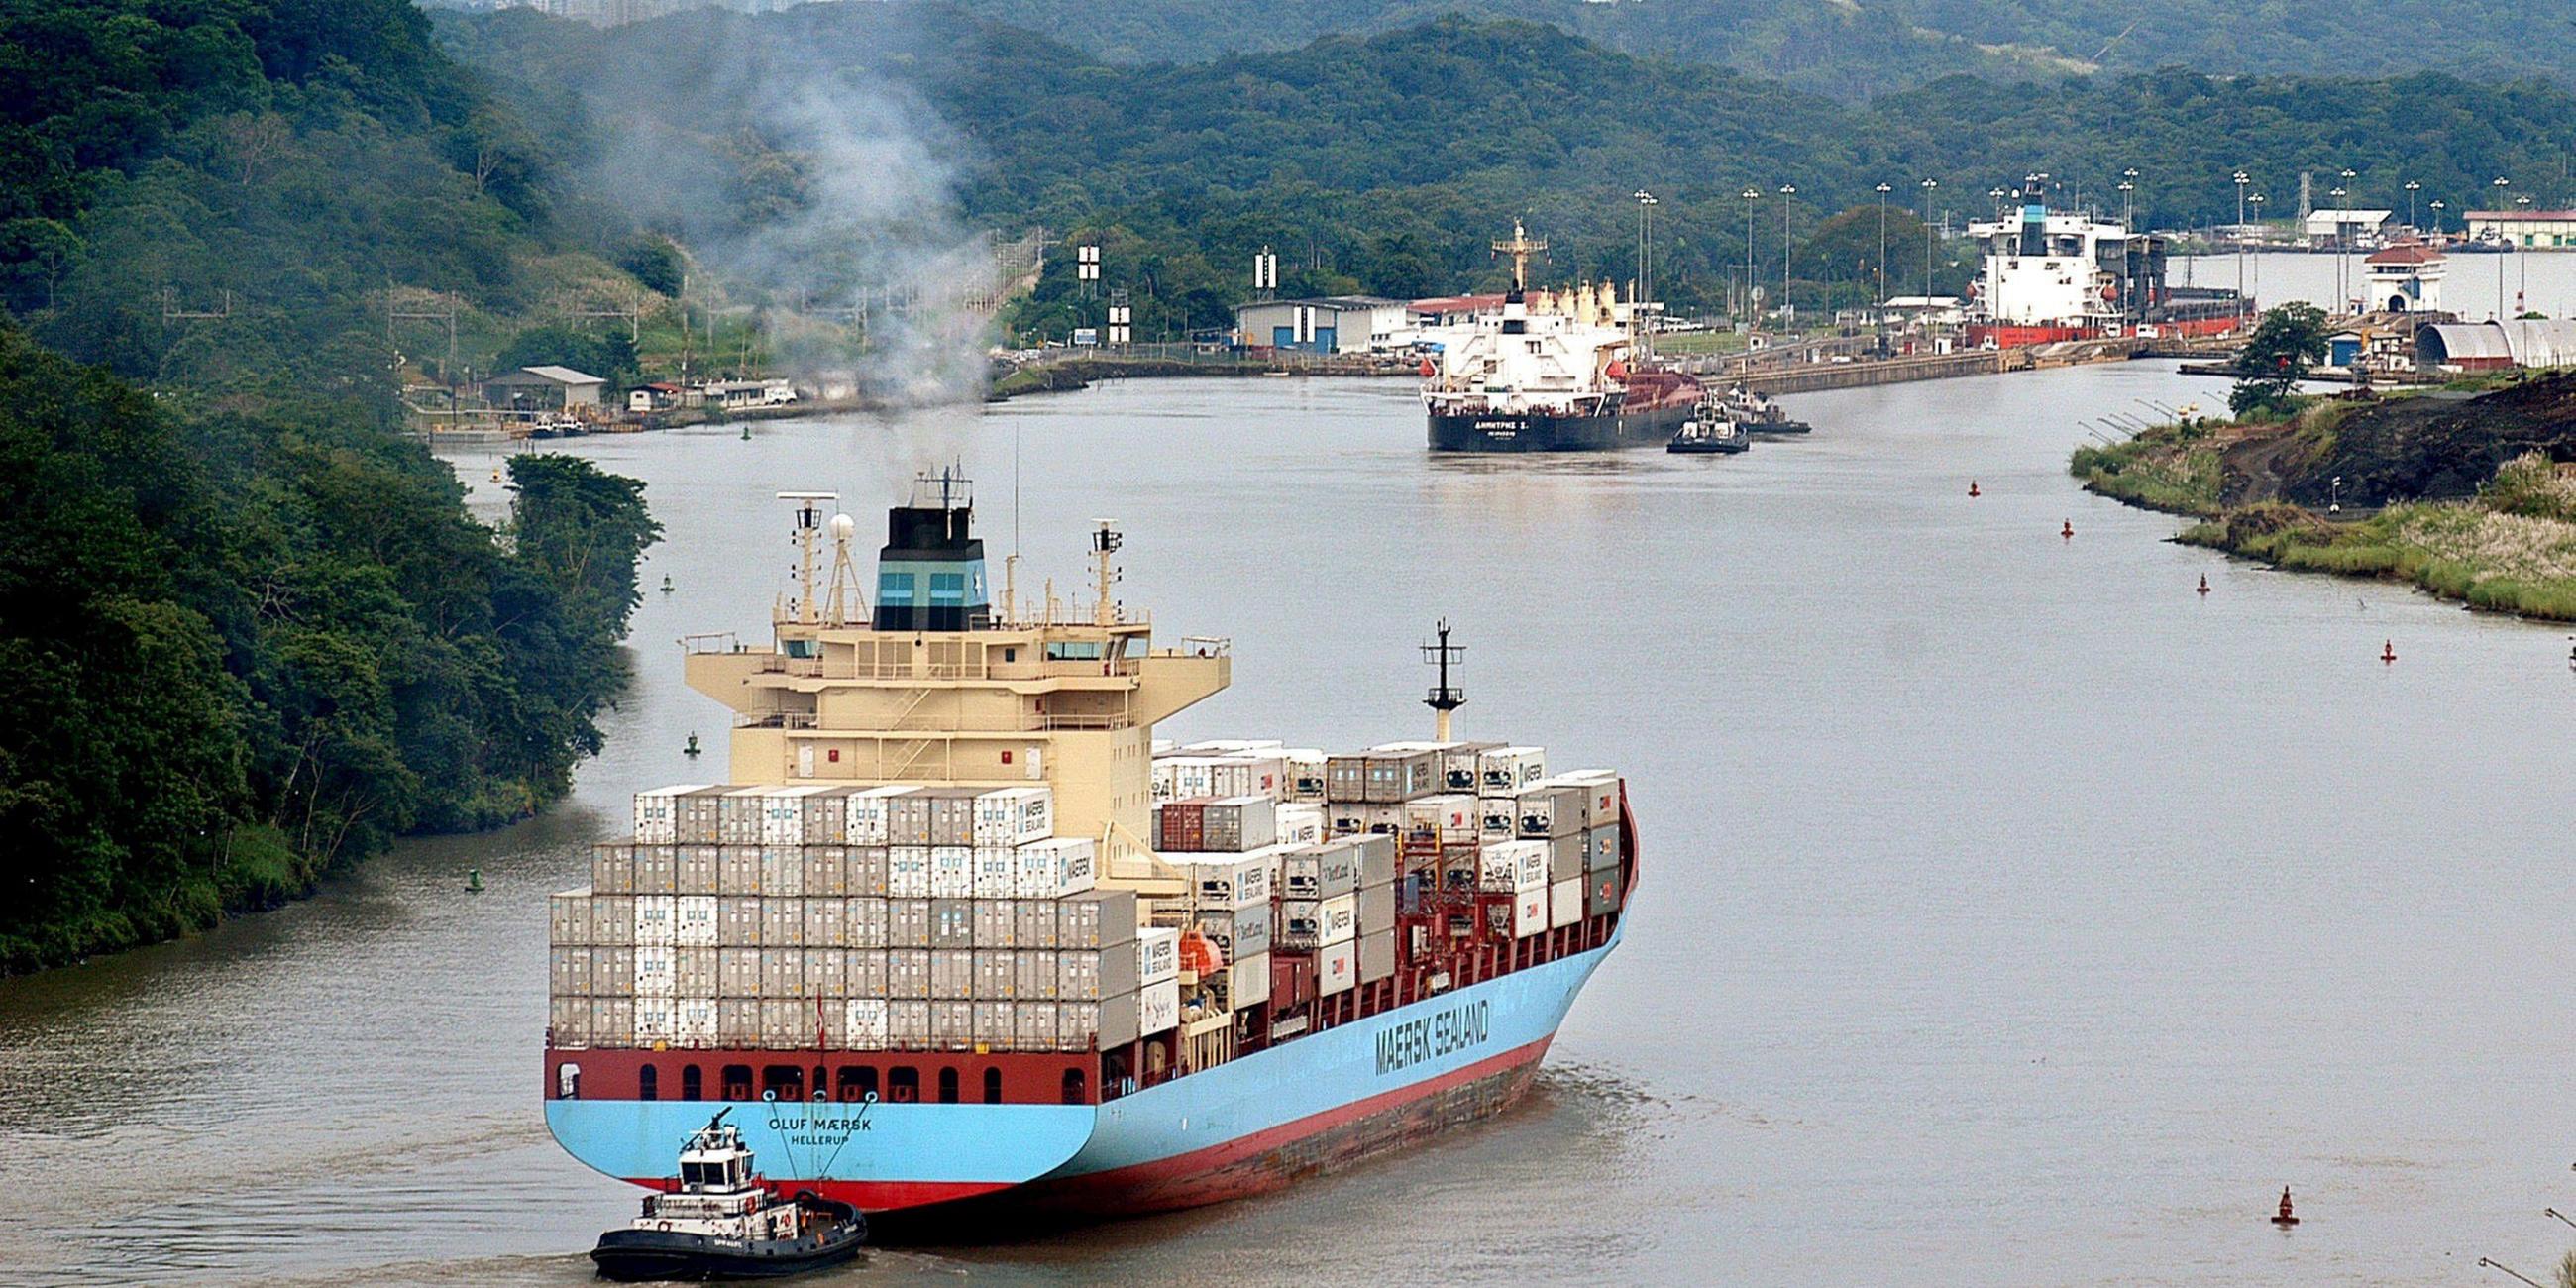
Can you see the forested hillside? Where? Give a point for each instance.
(248, 630)
(1387, 163)
(1857, 49)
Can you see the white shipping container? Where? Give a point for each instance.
(656, 1020)
(1504, 771)
(568, 918)
(1033, 1026)
(1512, 866)
(1096, 919)
(612, 869)
(994, 868)
(568, 1022)
(738, 920)
(1249, 774)
(1033, 923)
(1230, 746)
(827, 923)
(1497, 818)
(1013, 816)
(1248, 981)
(907, 923)
(1238, 932)
(952, 872)
(738, 869)
(695, 867)
(782, 815)
(865, 970)
(1337, 967)
(863, 1024)
(1229, 880)
(1158, 955)
(782, 870)
(863, 871)
(612, 1022)
(1054, 868)
(1305, 773)
(865, 813)
(993, 1024)
(693, 1022)
(568, 971)
(866, 918)
(908, 972)
(996, 974)
(1377, 956)
(1564, 903)
(1076, 1024)
(738, 814)
(826, 973)
(1450, 817)
(1158, 1007)
(1601, 793)
(696, 971)
(656, 919)
(738, 972)
(1529, 912)
(782, 923)
(1300, 824)
(1034, 974)
(908, 1023)
(908, 871)
(826, 870)
(1338, 919)
(694, 923)
(952, 1024)
(656, 816)
(656, 973)
(997, 924)
(612, 919)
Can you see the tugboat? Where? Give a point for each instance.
(1755, 414)
(1709, 432)
(720, 1222)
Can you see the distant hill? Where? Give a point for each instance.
(1388, 162)
(1860, 48)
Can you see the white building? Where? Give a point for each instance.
(1335, 324)
(2404, 278)
(2529, 229)
(2346, 227)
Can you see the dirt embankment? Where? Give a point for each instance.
(2429, 447)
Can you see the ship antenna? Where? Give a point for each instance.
(809, 525)
(1105, 543)
(1446, 697)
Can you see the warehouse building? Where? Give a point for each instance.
(1334, 324)
(2529, 229)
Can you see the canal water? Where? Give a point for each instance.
(2011, 914)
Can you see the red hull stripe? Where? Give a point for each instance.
(1087, 1192)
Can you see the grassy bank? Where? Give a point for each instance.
(2511, 548)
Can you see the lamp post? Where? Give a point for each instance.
(2242, 179)
(2412, 188)
(1645, 277)
(2341, 291)
(2126, 213)
(2522, 261)
(1882, 190)
(1787, 310)
(1928, 186)
(2257, 199)
(2501, 183)
(1752, 314)
(2437, 206)
(1998, 195)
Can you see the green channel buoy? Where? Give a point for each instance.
(692, 748)
(746, 433)
(474, 879)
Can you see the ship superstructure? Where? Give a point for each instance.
(2049, 275)
(1550, 371)
(961, 932)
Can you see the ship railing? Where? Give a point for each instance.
(1052, 722)
(777, 720)
(711, 642)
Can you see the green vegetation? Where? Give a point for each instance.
(2286, 345)
(1856, 50)
(1386, 163)
(249, 632)
(2510, 548)
(239, 651)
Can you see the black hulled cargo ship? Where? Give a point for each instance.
(1550, 372)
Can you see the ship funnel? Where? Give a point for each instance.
(930, 575)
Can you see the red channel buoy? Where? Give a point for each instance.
(2388, 651)
(2284, 1218)
(1972, 489)
(2068, 531)
(2204, 583)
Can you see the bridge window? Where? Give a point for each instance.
(948, 1086)
(1073, 650)
(992, 1086)
(903, 1084)
(947, 589)
(858, 1082)
(894, 589)
(693, 1083)
(648, 1083)
(737, 1082)
(785, 1081)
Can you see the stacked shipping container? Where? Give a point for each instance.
(849, 918)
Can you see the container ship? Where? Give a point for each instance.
(1554, 372)
(964, 936)
(2045, 276)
